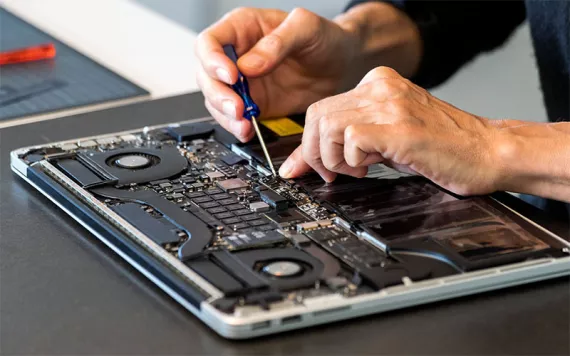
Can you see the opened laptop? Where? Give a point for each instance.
(200, 215)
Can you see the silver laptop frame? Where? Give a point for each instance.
(252, 321)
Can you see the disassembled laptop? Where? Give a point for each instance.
(250, 254)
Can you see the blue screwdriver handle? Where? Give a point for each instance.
(241, 87)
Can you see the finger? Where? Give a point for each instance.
(331, 128)
(240, 128)
(311, 151)
(212, 58)
(311, 133)
(294, 166)
(364, 143)
(241, 28)
(333, 159)
(297, 31)
(220, 96)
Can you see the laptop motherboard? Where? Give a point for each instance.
(192, 193)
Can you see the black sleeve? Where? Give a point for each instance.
(454, 32)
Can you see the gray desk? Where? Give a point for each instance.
(63, 292)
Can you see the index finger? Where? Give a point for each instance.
(209, 45)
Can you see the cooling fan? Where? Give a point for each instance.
(139, 165)
(133, 161)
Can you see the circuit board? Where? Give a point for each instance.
(212, 205)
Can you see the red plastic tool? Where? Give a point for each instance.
(28, 54)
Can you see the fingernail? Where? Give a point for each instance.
(285, 169)
(229, 109)
(224, 75)
(254, 61)
(236, 127)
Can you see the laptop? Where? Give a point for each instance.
(200, 215)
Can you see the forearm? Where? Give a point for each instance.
(535, 159)
(384, 36)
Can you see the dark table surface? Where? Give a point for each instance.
(64, 292)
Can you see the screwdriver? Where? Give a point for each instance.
(251, 111)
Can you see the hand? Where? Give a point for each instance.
(291, 60)
(388, 119)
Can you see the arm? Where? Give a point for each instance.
(536, 157)
(454, 32)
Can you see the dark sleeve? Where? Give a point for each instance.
(454, 32)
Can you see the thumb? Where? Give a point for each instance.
(298, 29)
(295, 165)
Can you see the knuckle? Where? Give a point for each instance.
(240, 11)
(312, 112)
(351, 134)
(325, 123)
(301, 13)
(307, 18)
(382, 86)
(384, 71)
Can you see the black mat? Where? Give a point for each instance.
(69, 80)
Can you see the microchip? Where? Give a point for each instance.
(326, 234)
(215, 175)
(286, 217)
(253, 239)
(232, 184)
(275, 200)
(231, 158)
(259, 207)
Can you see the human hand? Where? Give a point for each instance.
(387, 119)
(291, 60)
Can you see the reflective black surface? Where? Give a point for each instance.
(64, 292)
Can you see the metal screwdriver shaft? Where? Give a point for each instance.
(251, 110)
(263, 147)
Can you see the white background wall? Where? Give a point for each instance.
(503, 84)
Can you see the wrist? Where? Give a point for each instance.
(506, 150)
(534, 158)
